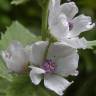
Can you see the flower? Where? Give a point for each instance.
(15, 57)
(77, 24)
(61, 61)
(65, 27)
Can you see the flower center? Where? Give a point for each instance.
(70, 25)
(8, 55)
(49, 66)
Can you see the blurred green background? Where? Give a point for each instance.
(29, 14)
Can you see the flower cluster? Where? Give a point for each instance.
(64, 26)
(52, 61)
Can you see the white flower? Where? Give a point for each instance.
(65, 26)
(61, 61)
(77, 24)
(15, 57)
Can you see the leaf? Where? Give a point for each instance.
(4, 71)
(17, 32)
(17, 2)
(22, 86)
(3, 85)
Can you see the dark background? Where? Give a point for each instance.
(29, 14)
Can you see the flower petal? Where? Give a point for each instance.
(56, 83)
(58, 50)
(37, 52)
(65, 58)
(60, 28)
(68, 65)
(80, 24)
(18, 52)
(36, 75)
(54, 5)
(69, 9)
(15, 57)
(54, 10)
(8, 60)
(75, 42)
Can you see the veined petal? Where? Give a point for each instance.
(37, 52)
(36, 75)
(16, 48)
(54, 11)
(68, 65)
(60, 28)
(15, 57)
(81, 23)
(75, 42)
(69, 9)
(56, 83)
(17, 51)
(28, 50)
(58, 50)
(8, 60)
(54, 5)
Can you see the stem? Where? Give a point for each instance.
(44, 20)
(91, 43)
(46, 51)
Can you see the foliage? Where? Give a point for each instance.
(17, 32)
(22, 86)
(17, 2)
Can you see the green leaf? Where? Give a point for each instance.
(3, 86)
(22, 86)
(17, 32)
(4, 71)
(17, 2)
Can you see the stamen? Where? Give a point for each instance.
(8, 55)
(49, 66)
(70, 26)
(26, 68)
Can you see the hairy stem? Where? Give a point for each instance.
(44, 20)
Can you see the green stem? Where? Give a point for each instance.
(91, 43)
(44, 20)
